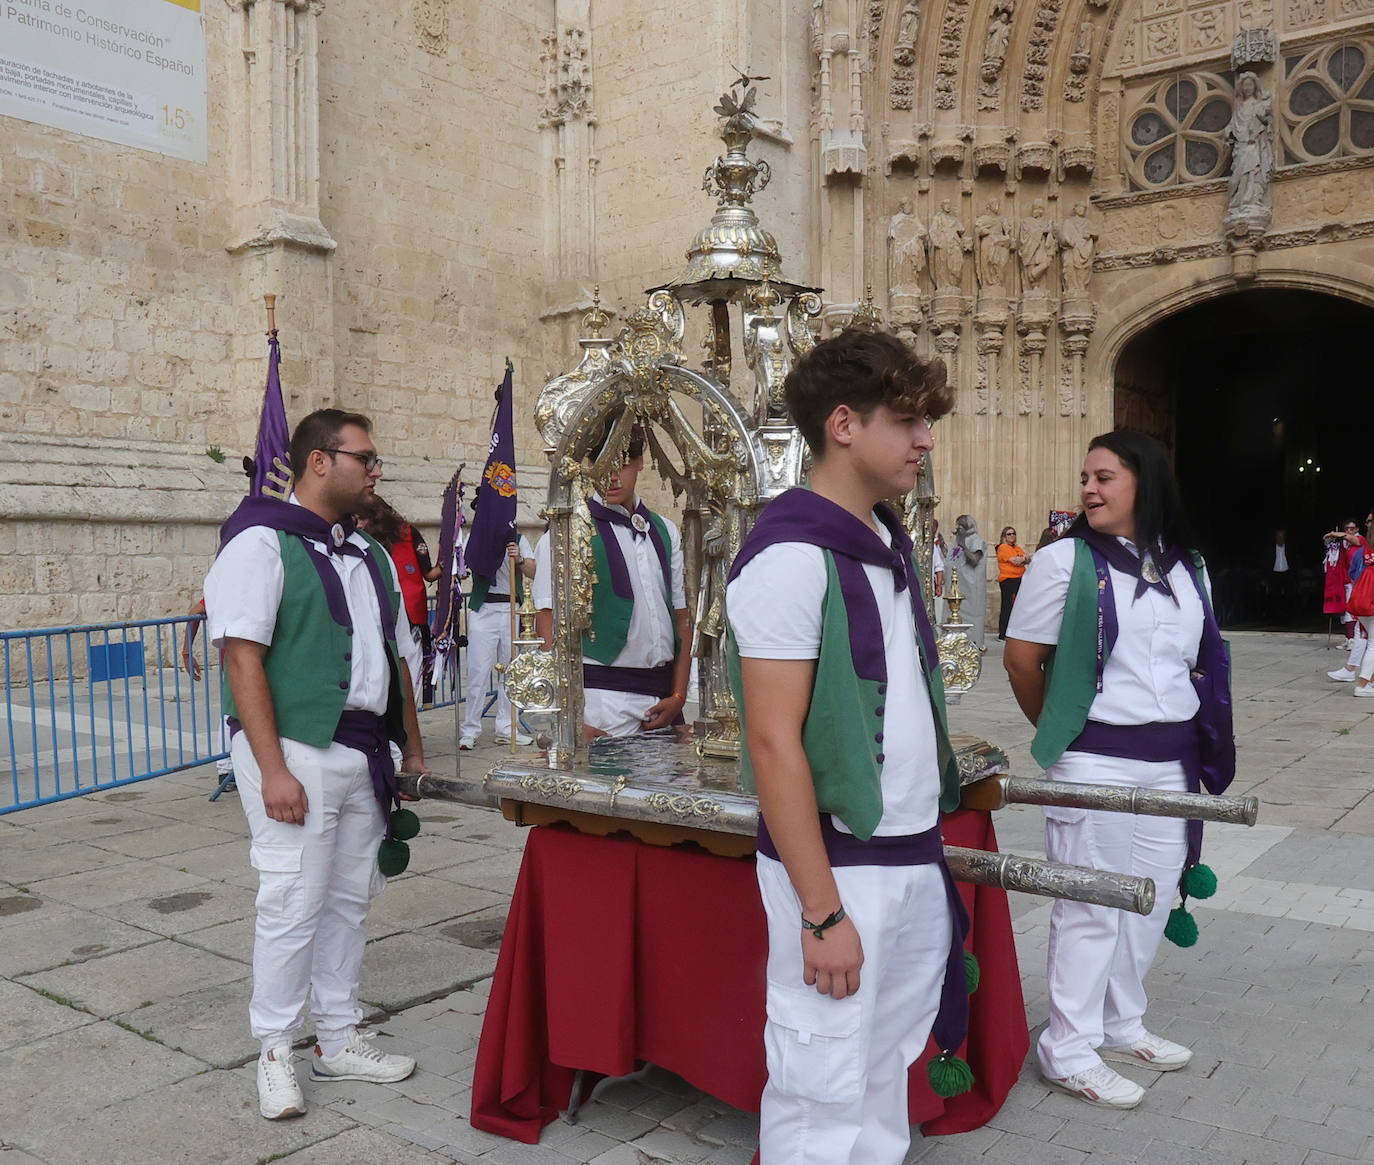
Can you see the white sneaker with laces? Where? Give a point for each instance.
(466, 743)
(1098, 1085)
(1366, 690)
(1343, 674)
(278, 1093)
(361, 1061)
(1150, 1051)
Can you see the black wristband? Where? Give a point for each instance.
(819, 928)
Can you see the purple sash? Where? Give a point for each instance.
(910, 849)
(800, 515)
(638, 681)
(605, 518)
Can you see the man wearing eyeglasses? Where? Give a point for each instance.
(317, 664)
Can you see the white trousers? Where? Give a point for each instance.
(1099, 956)
(837, 1070)
(1361, 658)
(488, 645)
(315, 884)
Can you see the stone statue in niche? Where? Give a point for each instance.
(1078, 237)
(904, 51)
(1251, 134)
(906, 248)
(947, 248)
(1036, 245)
(995, 243)
(1081, 57)
(999, 35)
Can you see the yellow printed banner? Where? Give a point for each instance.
(193, 5)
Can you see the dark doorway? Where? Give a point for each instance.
(1262, 397)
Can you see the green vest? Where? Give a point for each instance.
(844, 721)
(477, 597)
(1071, 672)
(610, 628)
(308, 663)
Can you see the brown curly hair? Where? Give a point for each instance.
(863, 370)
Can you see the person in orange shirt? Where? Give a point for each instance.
(1011, 565)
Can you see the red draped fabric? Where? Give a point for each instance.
(617, 953)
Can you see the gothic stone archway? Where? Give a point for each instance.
(1261, 398)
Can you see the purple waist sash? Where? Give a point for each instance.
(1179, 741)
(1156, 742)
(365, 732)
(637, 681)
(844, 849)
(908, 849)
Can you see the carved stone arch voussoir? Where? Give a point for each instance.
(1138, 306)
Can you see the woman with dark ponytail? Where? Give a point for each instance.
(1114, 654)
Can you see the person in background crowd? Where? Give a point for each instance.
(224, 767)
(489, 643)
(1344, 561)
(1011, 565)
(937, 573)
(973, 576)
(1138, 695)
(408, 551)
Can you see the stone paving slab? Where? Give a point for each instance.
(55, 934)
(110, 984)
(409, 968)
(207, 1024)
(186, 910)
(203, 1119)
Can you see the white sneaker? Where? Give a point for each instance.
(1098, 1085)
(1150, 1051)
(466, 742)
(1365, 690)
(278, 1093)
(1342, 674)
(520, 738)
(361, 1061)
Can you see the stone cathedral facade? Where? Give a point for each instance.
(1024, 187)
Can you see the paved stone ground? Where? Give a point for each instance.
(125, 936)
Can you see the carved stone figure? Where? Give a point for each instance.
(907, 247)
(947, 248)
(995, 243)
(1036, 245)
(904, 50)
(1078, 237)
(995, 46)
(973, 576)
(1251, 134)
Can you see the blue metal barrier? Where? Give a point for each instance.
(101, 705)
(105, 704)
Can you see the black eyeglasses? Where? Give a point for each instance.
(370, 460)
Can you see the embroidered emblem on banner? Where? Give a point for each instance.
(501, 478)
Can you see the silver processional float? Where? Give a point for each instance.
(725, 446)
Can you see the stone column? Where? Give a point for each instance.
(1033, 323)
(279, 243)
(1077, 319)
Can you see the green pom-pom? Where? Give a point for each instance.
(949, 1075)
(972, 974)
(1199, 882)
(1181, 929)
(393, 857)
(404, 825)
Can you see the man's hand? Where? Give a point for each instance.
(283, 797)
(664, 712)
(191, 664)
(832, 962)
(413, 761)
(589, 733)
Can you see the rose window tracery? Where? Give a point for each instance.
(1174, 135)
(1327, 104)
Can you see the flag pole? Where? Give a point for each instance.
(271, 303)
(514, 635)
